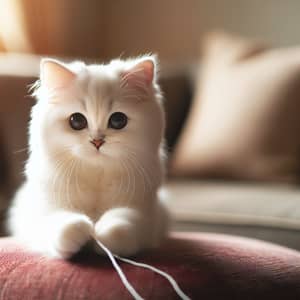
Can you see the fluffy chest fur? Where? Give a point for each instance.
(93, 192)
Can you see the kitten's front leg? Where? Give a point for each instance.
(60, 234)
(122, 231)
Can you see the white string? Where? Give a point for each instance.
(172, 281)
(125, 281)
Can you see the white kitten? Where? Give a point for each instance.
(96, 159)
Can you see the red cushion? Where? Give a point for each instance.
(206, 266)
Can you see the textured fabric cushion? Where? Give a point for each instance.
(244, 122)
(206, 266)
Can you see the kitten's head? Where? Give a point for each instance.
(97, 114)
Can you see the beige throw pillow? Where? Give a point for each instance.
(245, 119)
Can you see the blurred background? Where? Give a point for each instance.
(237, 162)
(102, 29)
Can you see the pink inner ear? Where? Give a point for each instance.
(142, 73)
(54, 75)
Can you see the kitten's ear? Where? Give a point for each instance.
(142, 74)
(54, 74)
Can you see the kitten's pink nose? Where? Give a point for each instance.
(97, 143)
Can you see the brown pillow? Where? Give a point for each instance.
(245, 119)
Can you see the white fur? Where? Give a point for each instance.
(72, 190)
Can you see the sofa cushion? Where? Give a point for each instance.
(244, 122)
(205, 266)
(261, 210)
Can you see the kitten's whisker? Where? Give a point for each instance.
(127, 181)
(20, 150)
(120, 185)
(152, 181)
(136, 167)
(133, 190)
(63, 188)
(128, 178)
(60, 165)
(57, 166)
(145, 178)
(132, 158)
(67, 177)
(70, 174)
(77, 169)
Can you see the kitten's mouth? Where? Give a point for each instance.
(97, 143)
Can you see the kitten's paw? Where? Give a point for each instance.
(73, 234)
(119, 235)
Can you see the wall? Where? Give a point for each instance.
(173, 28)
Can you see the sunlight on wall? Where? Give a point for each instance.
(12, 27)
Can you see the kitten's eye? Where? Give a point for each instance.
(117, 120)
(78, 121)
